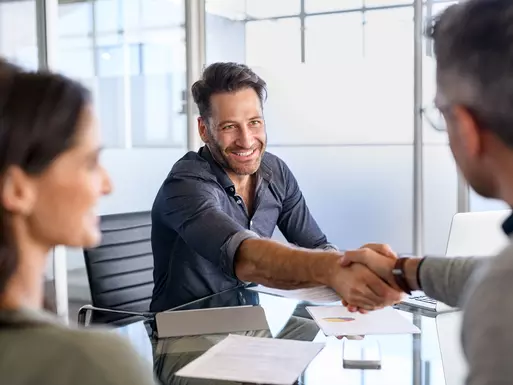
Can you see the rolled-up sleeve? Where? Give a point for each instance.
(191, 208)
(329, 247)
(229, 249)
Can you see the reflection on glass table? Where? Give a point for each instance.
(404, 358)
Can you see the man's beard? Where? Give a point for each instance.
(220, 156)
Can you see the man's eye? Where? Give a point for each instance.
(230, 126)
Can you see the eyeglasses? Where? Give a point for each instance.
(434, 117)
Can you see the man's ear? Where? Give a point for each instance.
(18, 191)
(469, 133)
(202, 129)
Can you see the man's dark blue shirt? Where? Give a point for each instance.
(199, 221)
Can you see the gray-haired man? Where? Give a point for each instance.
(474, 48)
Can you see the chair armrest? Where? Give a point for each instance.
(84, 310)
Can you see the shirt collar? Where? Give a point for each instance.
(507, 225)
(218, 170)
(264, 171)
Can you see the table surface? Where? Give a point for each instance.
(405, 359)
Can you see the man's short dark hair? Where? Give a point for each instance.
(225, 77)
(473, 45)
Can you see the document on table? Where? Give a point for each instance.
(338, 321)
(254, 360)
(320, 294)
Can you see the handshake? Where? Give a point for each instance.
(365, 281)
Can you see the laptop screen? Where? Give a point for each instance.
(477, 234)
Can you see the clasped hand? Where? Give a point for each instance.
(364, 278)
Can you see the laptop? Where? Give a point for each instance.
(477, 234)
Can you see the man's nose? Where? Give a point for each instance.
(245, 139)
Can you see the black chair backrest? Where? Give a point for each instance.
(120, 269)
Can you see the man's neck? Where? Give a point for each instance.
(245, 187)
(242, 182)
(503, 166)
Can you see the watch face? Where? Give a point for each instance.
(396, 271)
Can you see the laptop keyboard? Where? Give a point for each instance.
(425, 299)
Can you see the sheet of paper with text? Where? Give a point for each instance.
(253, 360)
(320, 294)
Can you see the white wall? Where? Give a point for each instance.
(361, 194)
(348, 138)
(225, 39)
(136, 174)
(478, 203)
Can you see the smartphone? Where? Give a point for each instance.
(361, 354)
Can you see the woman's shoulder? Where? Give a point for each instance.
(91, 356)
(45, 327)
(104, 353)
(87, 341)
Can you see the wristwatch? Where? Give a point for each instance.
(400, 275)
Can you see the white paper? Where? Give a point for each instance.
(338, 321)
(254, 360)
(320, 294)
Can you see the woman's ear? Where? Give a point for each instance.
(18, 191)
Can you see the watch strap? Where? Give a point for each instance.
(400, 275)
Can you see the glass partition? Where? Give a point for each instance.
(132, 55)
(20, 45)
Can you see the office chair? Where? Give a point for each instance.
(120, 270)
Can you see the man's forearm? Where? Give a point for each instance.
(443, 279)
(276, 265)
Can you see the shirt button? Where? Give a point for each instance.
(239, 202)
(232, 189)
(251, 224)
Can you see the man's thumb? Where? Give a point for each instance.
(345, 261)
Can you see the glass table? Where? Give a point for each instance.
(405, 359)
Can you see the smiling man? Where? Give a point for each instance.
(218, 207)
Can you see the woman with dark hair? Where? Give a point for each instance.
(50, 182)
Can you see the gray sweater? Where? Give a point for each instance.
(36, 350)
(481, 286)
